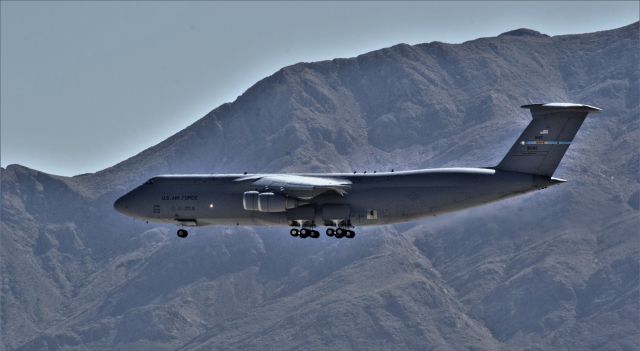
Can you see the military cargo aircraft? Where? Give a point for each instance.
(342, 201)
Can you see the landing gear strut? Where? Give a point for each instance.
(183, 233)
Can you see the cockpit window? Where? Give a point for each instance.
(150, 181)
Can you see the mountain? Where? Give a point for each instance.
(557, 269)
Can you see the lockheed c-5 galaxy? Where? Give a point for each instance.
(341, 201)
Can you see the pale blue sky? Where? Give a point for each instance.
(85, 85)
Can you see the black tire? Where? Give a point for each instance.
(304, 233)
(340, 233)
(350, 234)
(182, 233)
(294, 232)
(331, 232)
(315, 234)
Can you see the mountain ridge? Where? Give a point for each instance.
(630, 27)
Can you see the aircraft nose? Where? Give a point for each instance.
(121, 205)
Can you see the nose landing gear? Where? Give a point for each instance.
(183, 233)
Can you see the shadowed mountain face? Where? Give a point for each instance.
(557, 269)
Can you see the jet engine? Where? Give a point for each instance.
(267, 202)
(250, 200)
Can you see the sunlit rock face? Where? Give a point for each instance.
(557, 269)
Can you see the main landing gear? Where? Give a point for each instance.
(341, 233)
(305, 233)
(183, 233)
(311, 233)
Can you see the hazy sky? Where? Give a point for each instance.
(85, 85)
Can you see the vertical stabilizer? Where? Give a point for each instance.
(545, 140)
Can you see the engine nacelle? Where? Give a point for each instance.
(270, 202)
(250, 200)
(267, 202)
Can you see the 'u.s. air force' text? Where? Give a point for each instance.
(180, 197)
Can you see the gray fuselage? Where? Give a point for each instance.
(372, 199)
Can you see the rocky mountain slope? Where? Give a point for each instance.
(558, 269)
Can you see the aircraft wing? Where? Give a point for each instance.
(298, 185)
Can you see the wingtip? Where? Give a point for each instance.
(558, 180)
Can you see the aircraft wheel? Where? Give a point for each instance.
(350, 234)
(304, 232)
(294, 232)
(340, 233)
(315, 234)
(182, 233)
(331, 232)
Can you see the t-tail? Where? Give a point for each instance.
(545, 140)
